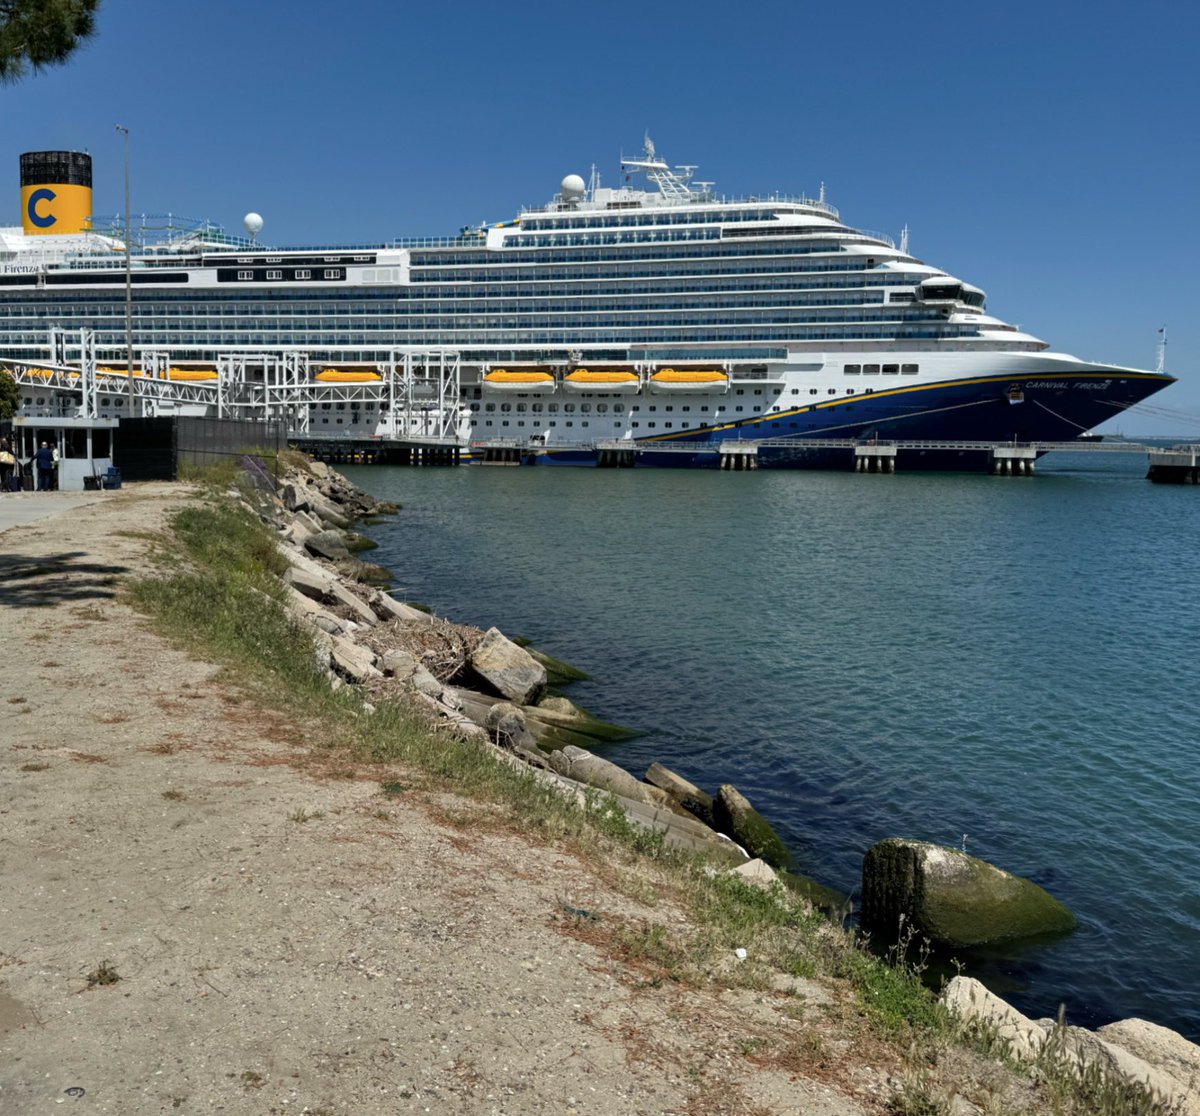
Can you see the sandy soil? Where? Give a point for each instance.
(348, 963)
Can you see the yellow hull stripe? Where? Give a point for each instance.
(775, 416)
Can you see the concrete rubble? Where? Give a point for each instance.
(364, 637)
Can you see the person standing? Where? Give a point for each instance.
(44, 461)
(8, 463)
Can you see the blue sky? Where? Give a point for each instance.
(1046, 152)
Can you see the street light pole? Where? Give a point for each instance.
(128, 283)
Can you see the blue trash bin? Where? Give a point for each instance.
(112, 478)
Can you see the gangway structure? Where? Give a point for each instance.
(415, 393)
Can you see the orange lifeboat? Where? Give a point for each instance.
(519, 380)
(620, 380)
(338, 376)
(694, 380)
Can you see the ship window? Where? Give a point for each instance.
(653, 408)
(667, 425)
(583, 424)
(475, 408)
(635, 425)
(891, 369)
(758, 391)
(304, 273)
(652, 425)
(325, 421)
(245, 274)
(341, 406)
(488, 422)
(324, 406)
(552, 408)
(568, 423)
(536, 408)
(490, 407)
(668, 408)
(812, 391)
(852, 369)
(686, 408)
(870, 369)
(740, 392)
(339, 422)
(601, 408)
(849, 391)
(332, 273)
(568, 408)
(506, 406)
(504, 422)
(618, 408)
(584, 408)
(521, 407)
(553, 422)
(520, 422)
(908, 369)
(795, 391)
(833, 391)
(274, 274)
(739, 408)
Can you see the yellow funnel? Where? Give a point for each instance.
(56, 192)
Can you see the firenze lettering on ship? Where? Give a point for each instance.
(659, 316)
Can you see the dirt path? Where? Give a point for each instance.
(365, 960)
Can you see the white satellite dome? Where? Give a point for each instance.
(253, 223)
(572, 187)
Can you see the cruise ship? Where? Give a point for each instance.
(656, 314)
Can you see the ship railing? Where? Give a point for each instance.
(875, 235)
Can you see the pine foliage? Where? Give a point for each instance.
(39, 33)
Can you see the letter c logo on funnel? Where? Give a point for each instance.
(41, 196)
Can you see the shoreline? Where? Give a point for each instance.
(844, 799)
(231, 864)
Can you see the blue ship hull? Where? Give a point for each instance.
(1051, 407)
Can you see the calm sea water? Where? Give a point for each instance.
(870, 656)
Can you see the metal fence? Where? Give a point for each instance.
(155, 448)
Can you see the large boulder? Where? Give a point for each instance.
(356, 662)
(328, 544)
(735, 817)
(294, 497)
(1165, 1050)
(388, 608)
(507, 668)
(952, 898)
(972, 1003)
(506, 723)
(586, 767)
(328, 512)
(695, 801)
(1083, 1049)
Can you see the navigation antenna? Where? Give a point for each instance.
(1162, 349)
(904, 239)
(671, 183)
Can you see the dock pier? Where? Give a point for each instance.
(1177, 465)
(379, 451)
(1014, 461)
(738, 455)
(875, 457)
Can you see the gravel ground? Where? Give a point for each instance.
(281, 945)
